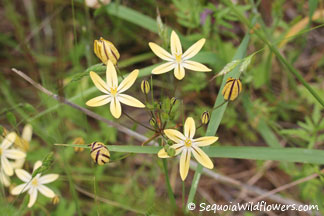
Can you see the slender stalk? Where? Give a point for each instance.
(137, 122)
(167, 180)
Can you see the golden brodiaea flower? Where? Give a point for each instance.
(105, 50)
(177, 60)
(186, 144)
(6, 153)
(34, 185)
(113, 92)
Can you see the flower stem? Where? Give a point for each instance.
(170, 192)
(137, 122)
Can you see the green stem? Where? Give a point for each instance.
(137, 122)
(170, 192)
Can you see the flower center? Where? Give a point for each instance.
(34, 182)
(178, 58)
(113, 91)
(188, 143)
(0, 151)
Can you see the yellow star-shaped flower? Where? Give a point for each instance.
(186, 144)
(113, 92)
(176, 60)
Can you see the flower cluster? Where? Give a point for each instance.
(160, 112)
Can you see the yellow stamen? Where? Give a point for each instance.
(0, 151)
(188, 143)
(178, 58)
(113, 91)
(34, 182)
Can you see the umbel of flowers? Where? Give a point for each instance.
(184, 144)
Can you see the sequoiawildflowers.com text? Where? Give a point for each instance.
(250, 206)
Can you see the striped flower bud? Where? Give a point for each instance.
(145, 87)
(105, 51)
(99, 153)
(173, 101)
(153, 122)
(232, 89)
(205, 117)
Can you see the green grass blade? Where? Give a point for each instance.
(300, 155)
(217, 114)
(132, 16)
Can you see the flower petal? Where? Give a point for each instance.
(14, 154)
(163, 154)
(179, 71)
(37, 165)
(128, 81)
(32, 197)
(111, 75)
(130, 101)
(6, 166)
(195, 66)
(98, 101)
(189, 128)
(194, 49)
(18, 164)
(184, 163)
(176, 48)
(27, 132)
(115, 107)
(8, 140)
(99, 83)
(160, 52)
(19, 189)
(178, 148)
(175, 135)
(205, 141)
(4, 179)
(23, 175)
(46, 191)
(202, 157)
(48, 178)
(163, 68)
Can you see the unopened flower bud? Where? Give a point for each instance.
(166, 147)
(205, 117)
(152, 122)
(78, 141)
(171, 152)
(173, 101)
(105, 50)
(232, 89)
(145, 87)
(55, 200)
